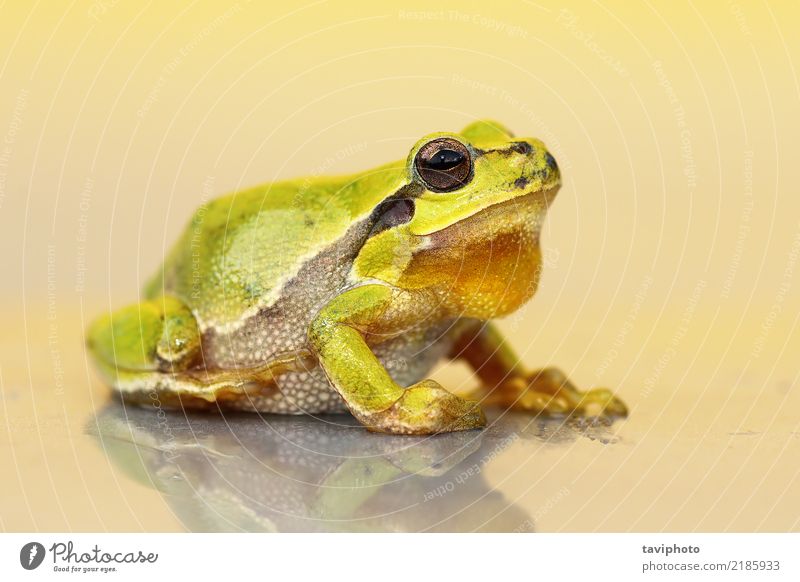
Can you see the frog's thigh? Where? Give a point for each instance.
(150, 353)
(145, 351)
(159, 334)
(365, 385)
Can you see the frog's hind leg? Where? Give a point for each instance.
(549, 391)
(151, 353)
(155, 335)
(193, 389)
(506, 383)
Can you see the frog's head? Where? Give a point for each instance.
(483, 166)
(467, 222)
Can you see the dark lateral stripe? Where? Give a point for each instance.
(516, 147)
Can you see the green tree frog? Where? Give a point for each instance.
(329, 294)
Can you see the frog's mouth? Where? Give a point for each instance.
(521, 215)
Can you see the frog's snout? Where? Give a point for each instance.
(547, 165)
(551, 162)
(553, 171)
(540, 166)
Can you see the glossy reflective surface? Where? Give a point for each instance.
(244, 472)
(701, 451)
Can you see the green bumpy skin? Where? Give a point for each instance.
(325, 294)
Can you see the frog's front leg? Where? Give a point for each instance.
(337, 336)
(505, 382)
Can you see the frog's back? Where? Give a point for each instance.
(240, 253)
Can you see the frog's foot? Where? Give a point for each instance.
(549, 392)
(425, 408)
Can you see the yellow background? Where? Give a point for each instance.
(671, 249)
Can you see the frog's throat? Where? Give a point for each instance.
(484, 266)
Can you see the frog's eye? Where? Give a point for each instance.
(444, 164)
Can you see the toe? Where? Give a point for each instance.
(427, 408)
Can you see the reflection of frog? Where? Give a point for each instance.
(319, 294)
(292, 473)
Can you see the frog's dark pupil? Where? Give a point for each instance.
(444, 164)
(445, 160)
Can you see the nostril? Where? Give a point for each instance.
(551, 161)
(522, 147)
